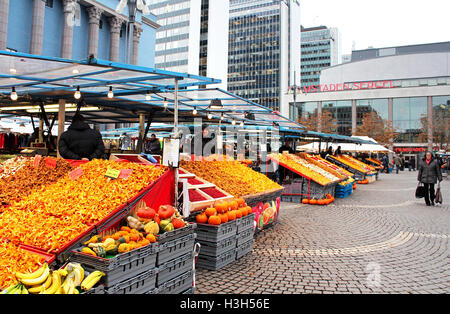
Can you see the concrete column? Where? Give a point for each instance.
(68, 23)
(354, 117)
(430, 122)
(95, 14)
(319, 116)
(136, 39)
(4, 12)
(37, 27)
(115, 25)
(61, 119)
(391, 123)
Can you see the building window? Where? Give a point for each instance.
(49, 3)
(100, 25)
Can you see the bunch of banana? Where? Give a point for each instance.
(16, 289)
(75, 275)
(91, 280)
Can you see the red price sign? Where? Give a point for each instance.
(50, 162)
(74, 175)
(125, 173)
(37, 160)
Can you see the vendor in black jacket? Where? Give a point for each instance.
(80, 142)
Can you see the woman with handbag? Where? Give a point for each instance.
(429, 174)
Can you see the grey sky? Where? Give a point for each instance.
(380, 23)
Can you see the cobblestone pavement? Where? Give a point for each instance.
(379, 240)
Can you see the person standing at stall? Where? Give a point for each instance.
(429, 174)
(80, 142)
(153, 146)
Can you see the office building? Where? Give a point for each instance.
(76, 29)
(264, 51)
(407, 86)
(193, 37)
(321, 48)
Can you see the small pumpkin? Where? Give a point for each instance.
(305, 201)
(249, 210)
(320, 202)
(201, 218)
(151, 237)
(223, 218)
(233, 205)
(177, 223)
(214, 220)
(222, 207)
(313, 202)
(231, 215)
(238, 214)
(210, 212)
(241, 202)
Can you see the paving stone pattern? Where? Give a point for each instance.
(379, 240)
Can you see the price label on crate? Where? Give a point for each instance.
(37, 160)
(112, 173)
(125, 173)
(50, 162)
(74, 175)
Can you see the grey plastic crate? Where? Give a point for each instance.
(178, 285)
(140, 284)
(245, 223)
(214, 249)
(189, 291)
(244, 237)
(175, 248)
(174, 268)
(216, 263)
(134, 264)
(212, 233)
(177, 233)
(96, 290)
(244, 249)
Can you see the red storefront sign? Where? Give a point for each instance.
(345, 87)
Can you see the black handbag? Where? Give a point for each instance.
(420, 191)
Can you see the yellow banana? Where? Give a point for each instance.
(9, 289)
(91, 280)
(38, 280)
(16, 290)
(56, 283)
(46, 285)
(32, 275)
(24, 290)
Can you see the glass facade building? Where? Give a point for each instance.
(320, 49)
(261, 61)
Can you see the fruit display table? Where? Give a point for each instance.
(359, 169)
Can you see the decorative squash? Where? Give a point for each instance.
(313, 202)
(123, 248)
(243, 211)
(329, 196)
(249, 210)
(238, 214)
(222, 207)
(201, 218)
(241, 202)
(165, 212)
(321, 202)
(233, 205)
(177, 223)
(305, 201)
(100, 251)
(214, 220)
(150, 237)
(223, 218)
(231, 215)
(210, 212)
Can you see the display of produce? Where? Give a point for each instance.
(359, 163)
(329, 165)
(28, 178)
(53, 216)
(70, 279)
(326, 201)
(350, 163)
(15, 259)
(231, 176)
(304, 168)
(11, 165)
(224, 212)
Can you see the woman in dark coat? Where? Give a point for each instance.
(80, 142)
(153, 146)
(429, 174)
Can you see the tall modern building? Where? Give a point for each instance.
(264, 51)
(193, 37)
(76, 29)
(321, 48)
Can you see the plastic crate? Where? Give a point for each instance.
(214, 249)
(244, 237)
(212, 233)
(140, 284)
(178, 285)
(97, 290)
(175, 248)
(245, 223)
(175, 268)
(177, 233)
(121, 267)
(216, 263)
(189, 291)
(244, 249)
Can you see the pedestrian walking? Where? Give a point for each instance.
(385, 164)
(413, 163)
(429, 174)
(397, 163)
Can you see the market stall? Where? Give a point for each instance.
(363, 173)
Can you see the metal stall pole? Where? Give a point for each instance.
(175, 130)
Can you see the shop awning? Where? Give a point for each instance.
(137, 90)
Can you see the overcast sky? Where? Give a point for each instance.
(380, 23)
